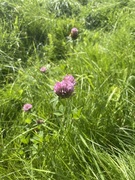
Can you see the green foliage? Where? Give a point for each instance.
(66, 8)
(89, 135)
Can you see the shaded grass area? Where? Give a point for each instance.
(89, 135)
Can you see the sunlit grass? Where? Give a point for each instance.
(90, 135)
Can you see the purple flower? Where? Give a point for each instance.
(43, 69)
(27, 107)
(70, 78)
(74, 33)
(64, 88)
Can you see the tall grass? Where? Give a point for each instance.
(90, 135)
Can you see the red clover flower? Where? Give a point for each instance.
(43, 69)
(74, 33)
(65, 88)
(70, 78)
(27, 107)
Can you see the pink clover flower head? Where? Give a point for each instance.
(70, 78)
(43, 69)
(27, 107)
(74, 33)
(64, 88)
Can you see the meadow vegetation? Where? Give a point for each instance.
(89, 135)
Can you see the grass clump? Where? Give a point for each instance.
(89, 132)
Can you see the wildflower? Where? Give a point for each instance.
(40, 121)
(43, 69)
(27, 107)
(64, 88)
(70, 78)
(74, 33)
